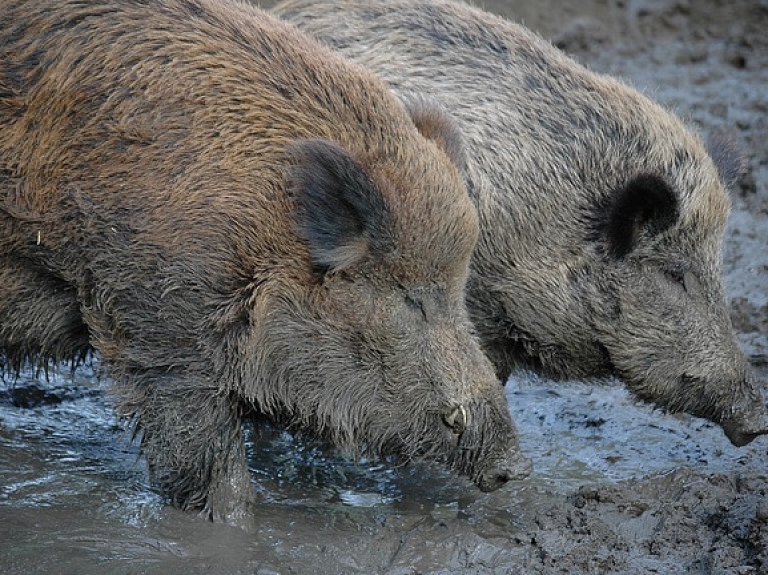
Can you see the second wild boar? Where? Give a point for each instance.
(601, 214)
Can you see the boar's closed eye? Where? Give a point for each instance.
(416, 305)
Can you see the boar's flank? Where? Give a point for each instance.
(601, 214)
(235, 219)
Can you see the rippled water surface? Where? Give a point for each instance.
(74, 494)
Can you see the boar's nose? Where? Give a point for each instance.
(515, 467)
(747, 418)
(740, 438)
(745, 430)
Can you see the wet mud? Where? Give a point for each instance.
(618, 487)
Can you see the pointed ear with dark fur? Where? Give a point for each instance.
(646, 205)
(436, 124)
(340, 212)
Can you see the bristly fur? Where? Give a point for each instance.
(598, 208)
(157, 160)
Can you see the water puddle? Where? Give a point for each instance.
(74, 491)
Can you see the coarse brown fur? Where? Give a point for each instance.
(601, 214)
(235, 219)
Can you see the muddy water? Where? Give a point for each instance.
(74, 494)
(617, 487)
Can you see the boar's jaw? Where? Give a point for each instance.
(487, 449)
(518, 348)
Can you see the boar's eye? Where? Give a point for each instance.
(416, 305)
(692, 284)
(676, 276)
(685, 279)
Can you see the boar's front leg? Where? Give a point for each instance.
(192, 438)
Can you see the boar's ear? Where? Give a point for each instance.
(645, 205)
(340, 212)
(728, 156)
(435, 124)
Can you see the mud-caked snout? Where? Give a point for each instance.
(737, 405)
(747, 418)
(514, 466)
(487, 449)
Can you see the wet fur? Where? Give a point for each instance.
(234, 220)
(595, 204)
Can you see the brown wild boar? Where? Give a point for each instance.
(601, 214)
(234, 219)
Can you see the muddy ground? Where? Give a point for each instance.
(619, 488)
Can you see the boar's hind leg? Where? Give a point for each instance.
(192, 439)
(40, 319)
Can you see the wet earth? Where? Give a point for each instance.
(618, 487)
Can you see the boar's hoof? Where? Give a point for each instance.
(517, 467)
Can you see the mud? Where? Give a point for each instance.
(619, 488)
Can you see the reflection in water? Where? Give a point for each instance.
(74, 491)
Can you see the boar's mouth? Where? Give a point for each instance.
(738, 407)
(486, 447)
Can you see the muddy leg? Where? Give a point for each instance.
(192, 439)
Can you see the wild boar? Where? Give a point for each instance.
(236, 220)
(601, 214)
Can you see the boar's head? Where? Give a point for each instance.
(377, 352)
(619, 266)
(668, 330)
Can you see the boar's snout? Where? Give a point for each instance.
(741, 436)
(738, 408)
(515, 467)
(746, 423)
(487, 450)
